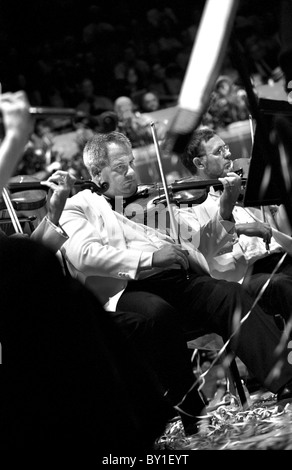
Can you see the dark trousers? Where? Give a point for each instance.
(277, 296)
(201, 305)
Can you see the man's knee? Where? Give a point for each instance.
(157, 317)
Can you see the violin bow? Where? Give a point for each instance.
(11, 211)
(165, 187)
(173, 224)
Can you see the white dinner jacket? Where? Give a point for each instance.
(97, 251)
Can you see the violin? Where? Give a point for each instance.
(149, 200)
(29, 194)
(29, 206)
(23, 199)
(29, 197)
(148, 205)
(33, 184)
(186, 191)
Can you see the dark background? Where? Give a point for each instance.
(39, 30)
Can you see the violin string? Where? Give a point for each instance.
(11, 211)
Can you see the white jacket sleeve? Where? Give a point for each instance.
(49, 234)
(89, 250)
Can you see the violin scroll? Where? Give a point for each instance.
(88, 184)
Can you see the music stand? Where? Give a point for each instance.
(283, 167)
(264, 181)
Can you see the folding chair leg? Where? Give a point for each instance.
(237, 382)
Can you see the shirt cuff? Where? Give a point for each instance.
(145, 260)
(58, 228)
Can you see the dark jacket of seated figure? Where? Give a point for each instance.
(70, 377)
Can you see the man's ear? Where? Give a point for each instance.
(198, 163)
(98, 177)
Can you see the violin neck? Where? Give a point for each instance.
(26, 186)
(198, 184)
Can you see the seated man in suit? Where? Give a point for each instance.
(73, 379)
(243, 246)
(132, 267)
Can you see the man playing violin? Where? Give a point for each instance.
(18, 126)
(243, 246)
(134, 268)
(76, 380)
(207, 157)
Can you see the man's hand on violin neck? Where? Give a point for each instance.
(231, 191)
(60, 184)
(170, 254)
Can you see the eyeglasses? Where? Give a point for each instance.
(222, 150)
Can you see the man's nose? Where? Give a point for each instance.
(130, 170)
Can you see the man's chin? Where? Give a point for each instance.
(130, 191)
(226, 171)
(228, 168)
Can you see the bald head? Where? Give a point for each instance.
(124, 107)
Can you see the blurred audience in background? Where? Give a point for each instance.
(87, 58)
(131, 122)
(228, 104)
(149, 102)
(91, 103)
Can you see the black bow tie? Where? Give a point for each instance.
(140, 193)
